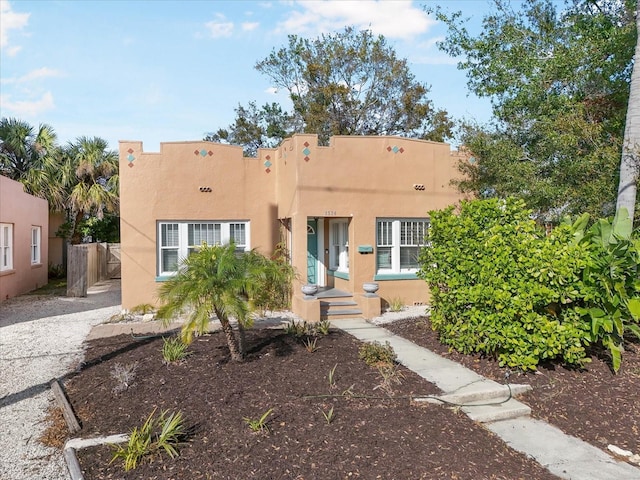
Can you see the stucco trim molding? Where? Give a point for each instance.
(396, 276)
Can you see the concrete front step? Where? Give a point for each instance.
(340, 303)
(352, 313)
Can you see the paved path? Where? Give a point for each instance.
(565, 456)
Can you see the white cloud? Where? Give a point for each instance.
(271, 91)
(10, 20)
(43, 72)
(250, 26)
(220, 27)
(28, 108)
(394, 19)
(427, 53)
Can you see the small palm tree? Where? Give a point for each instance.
(217, 280)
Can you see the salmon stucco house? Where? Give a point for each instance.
(351, 213)
(24, 235)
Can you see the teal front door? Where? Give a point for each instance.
(312, 251)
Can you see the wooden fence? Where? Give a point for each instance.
(89, 263)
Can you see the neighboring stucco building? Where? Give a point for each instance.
(351, 212)
(24, 247)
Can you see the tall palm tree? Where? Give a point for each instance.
(630, 164)
(216, 280)
(32, 157)
(90, 176)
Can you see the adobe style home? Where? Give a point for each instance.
(351, 213)
(24, 240)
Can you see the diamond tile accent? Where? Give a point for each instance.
(268, 170)
(203, 153)
(306, 144)
(306, 151)
(196, 152)
(388, 149)
(130, 150)
(131, 158)
(268, 157)
(306, 159)
(210, 153)
(130, 164)
(267, 164)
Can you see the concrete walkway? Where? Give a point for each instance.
(489, 402)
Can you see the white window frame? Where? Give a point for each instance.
(181, 245)
(36, 245)
(6, 246)
(394, 234)
(339, 245)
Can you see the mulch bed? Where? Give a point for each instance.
(592, 404)
(376, 437)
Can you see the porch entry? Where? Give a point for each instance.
(312, 251)
(334, 256)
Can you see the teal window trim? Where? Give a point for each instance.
(396, 276)
(163, 278)
(337, 274)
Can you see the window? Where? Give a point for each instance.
(398, 244)
(179, 239)
(35, 245)
(6, 246)
(339, 242)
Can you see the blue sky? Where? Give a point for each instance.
(163, 70)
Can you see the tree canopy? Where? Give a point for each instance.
(558, 81)
(346, 83)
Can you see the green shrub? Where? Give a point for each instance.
(375, 354)
(164, 433)
(502, 287)
(174, 349)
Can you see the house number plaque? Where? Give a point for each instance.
(329, 213)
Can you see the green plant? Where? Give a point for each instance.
(332, 376)
(328, 416)
(310, 344)
(396, 304)
(174, 349)
(164, 433)
(259, 424)
(323, 327)
(375, 354)
(124, 376)
(502, 287)
(297, 329)
(610, 284)
(391, 375)
(142, 309)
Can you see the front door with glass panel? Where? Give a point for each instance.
(312, 251)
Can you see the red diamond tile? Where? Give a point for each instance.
(130, 164)
(268, 157)
(268, 170)
(388, 149)
(306, 159)
(306, 144)
(401, 150)
(130, 150)
(196, 152)
(210, 153)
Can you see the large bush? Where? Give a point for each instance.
(503, 287)
(500, 286)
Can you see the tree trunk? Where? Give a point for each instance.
(242, 343)
(630, 164)
(232, 342)
(76, 235)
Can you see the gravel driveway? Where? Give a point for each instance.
(41, 338)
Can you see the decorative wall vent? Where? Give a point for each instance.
(205, 189)
(418, 186)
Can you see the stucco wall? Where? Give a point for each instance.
(23, 211)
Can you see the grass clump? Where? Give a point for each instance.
(174, 350)
(376, 354)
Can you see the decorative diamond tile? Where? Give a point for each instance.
(130, 150)
(131, 164)
(268, 157)
(395, 149)
(210, 153)
(388, 149)
(401, 150)
(306, 151)
(131, 158)
(306, 159)
(306, 144)
(267, 164)
(268, 170)
(203, 153)
(196, 152)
